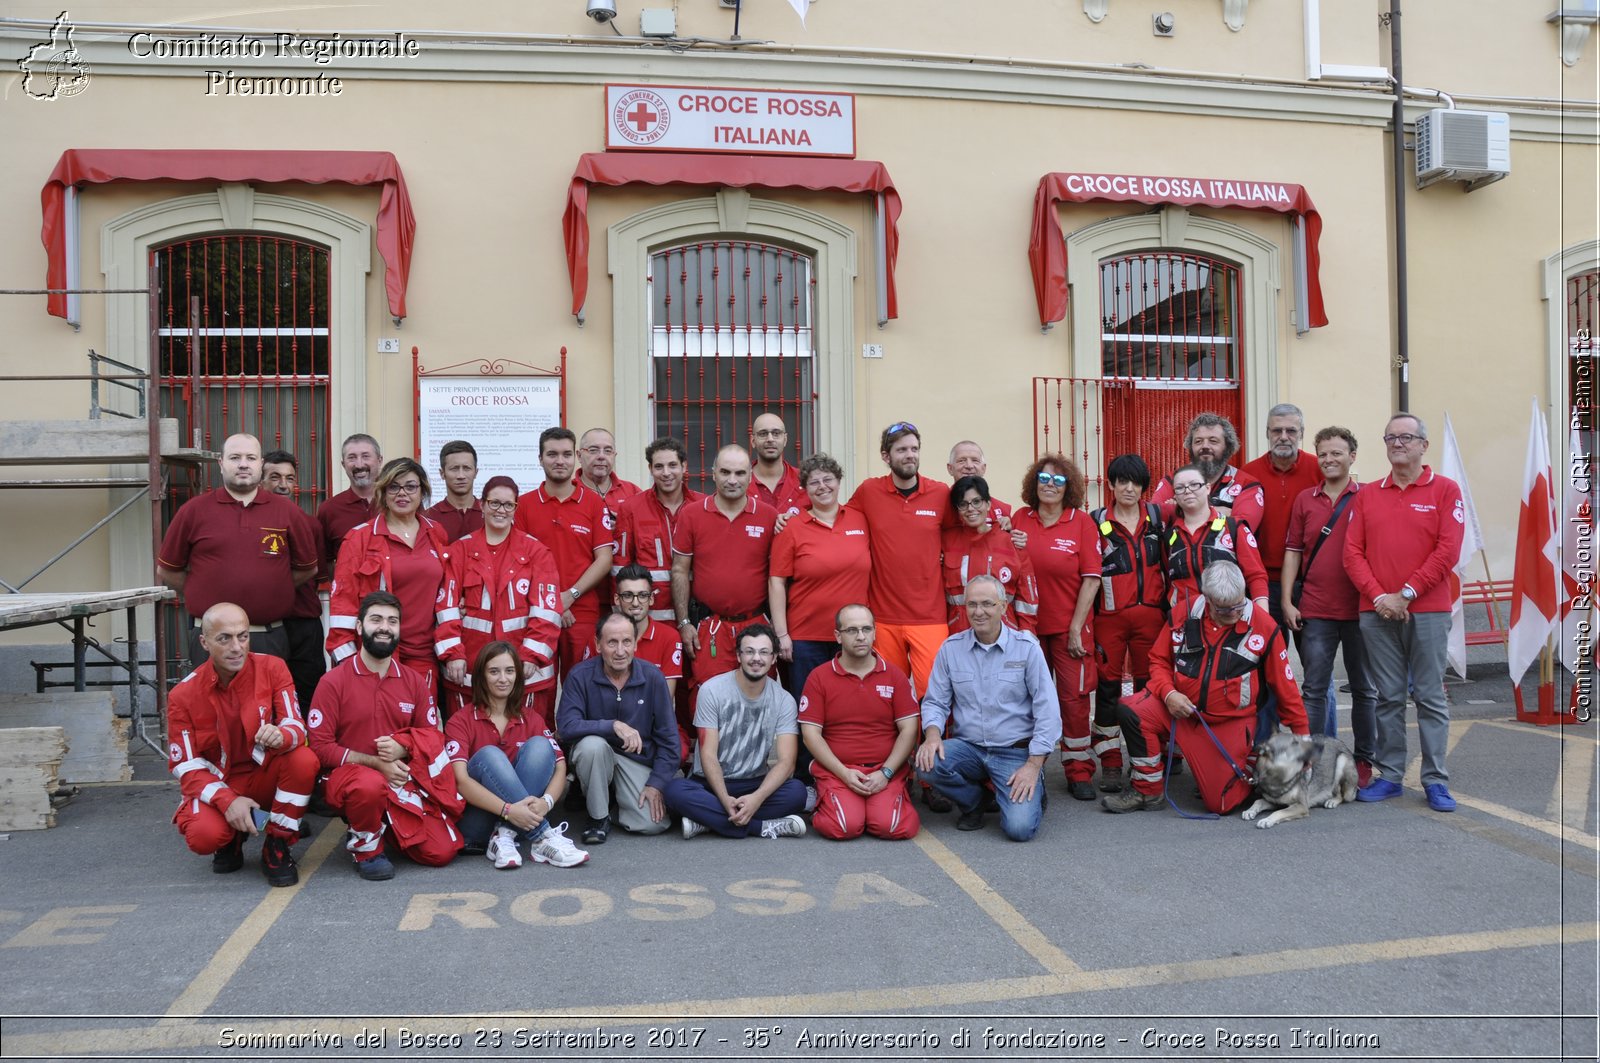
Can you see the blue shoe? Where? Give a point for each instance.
(1379, 790)
(377, 869)
(1439, 798)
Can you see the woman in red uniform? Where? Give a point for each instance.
(503, 584)
(978, 547)
(1199, 534)
(399, 551)
(1063, 546)
(1132, 606)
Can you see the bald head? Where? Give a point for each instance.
(225, 636)
(731, 473)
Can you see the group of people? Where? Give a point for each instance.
(729, 662)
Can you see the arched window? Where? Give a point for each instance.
(731, 337)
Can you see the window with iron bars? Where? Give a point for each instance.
(731, 337)
(254, 357)
(1168, 315)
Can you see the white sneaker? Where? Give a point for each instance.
(691, 828)
(811, 799)
(787, 827)
(554, 847)
(502, 850)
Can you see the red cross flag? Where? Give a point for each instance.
(1535, 588)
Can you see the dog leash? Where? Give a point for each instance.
(1166, 776)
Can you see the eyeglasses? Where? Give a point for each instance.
(770, 433)
(635, 596)
(853, 632)
(607, 451)
(1236, 609)
(1185, 489)
(412, 488)
(973, 503)
(752, 651)
(1052, 479)
(1405, 439)
(500, 507)
(827, 480)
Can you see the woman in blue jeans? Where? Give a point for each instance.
(506, 759)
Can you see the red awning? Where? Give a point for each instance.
(732, 171)
(397, 226)
(1047, 250)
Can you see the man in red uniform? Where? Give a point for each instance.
(1212, 441)
(459, 511)
(860, 723)
(720, 553)
(904, 512)
(242, 544)
(236, 744)
(303, 625)
(572, 521)
(361, 458)
(365, 722)
(774, 481)
(597, 456)
(1404, 538)
(1283, 472)
(646, 520)
(1204, 674)
(966, 459)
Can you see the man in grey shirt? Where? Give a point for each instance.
(991, 684)
(745, 719)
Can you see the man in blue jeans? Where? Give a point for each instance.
(990, 683)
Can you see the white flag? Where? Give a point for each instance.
(1577, 552)
(1471, 542)
(800, 8)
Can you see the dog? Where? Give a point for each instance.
(1294, 773)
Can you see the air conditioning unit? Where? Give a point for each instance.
(1470, 146)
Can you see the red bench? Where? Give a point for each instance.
(1492, 595)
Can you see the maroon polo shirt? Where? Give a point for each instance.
(1281, 490)
(472, 730)
(245, 554)
(457, 523)
(731, 556)
(337, 516)
(1328, 592)
(353, 707)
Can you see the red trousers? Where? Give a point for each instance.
(1145, 726)
(361, 795)
(1075, 679)
(842, 813)
(282, 786)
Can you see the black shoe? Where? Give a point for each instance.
(375, 869)
(277, 862)
(989, 802)
(1081, 791)
(935, 801)
(598, 831)
(229, 858)
(970, 820)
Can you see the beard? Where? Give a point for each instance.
(1210, 468)
(380, 645)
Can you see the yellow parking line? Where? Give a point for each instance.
(996, 907)
(209, 983)
(1566, 734)
(1569, 801)
(191, 1034)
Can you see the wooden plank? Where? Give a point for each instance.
(106, 441)
(20, 610)
(97, 741)
(30, 758)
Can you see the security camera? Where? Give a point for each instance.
(602, 10)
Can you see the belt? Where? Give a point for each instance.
(740, 618)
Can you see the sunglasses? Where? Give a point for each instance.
(902, 426)
(1047, 479)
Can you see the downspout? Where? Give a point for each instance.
(1402, 359)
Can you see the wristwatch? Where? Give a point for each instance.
(1407, 593)
(888, 772)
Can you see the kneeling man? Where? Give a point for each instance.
(236, 744)
(991, 685)
(1201, 678)
(744, 764)
(375, 728)
(859, 722)
(617, 721)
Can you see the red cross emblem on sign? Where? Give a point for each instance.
(642, 117)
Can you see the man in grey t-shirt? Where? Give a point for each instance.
(745, 719)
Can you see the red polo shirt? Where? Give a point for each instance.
(621, 491)
(827, 568)
(245, 554)
(1406, 535)
(337, 516)
(644, 536)
(661, 646)
(1062, 555)
(906, 586)
(858, 716)
(458, 523)
(472, 730)
(730, 570)
(353, 707)
(790, 497)
(1280, 490)
(1328, 593)
(574, 529)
